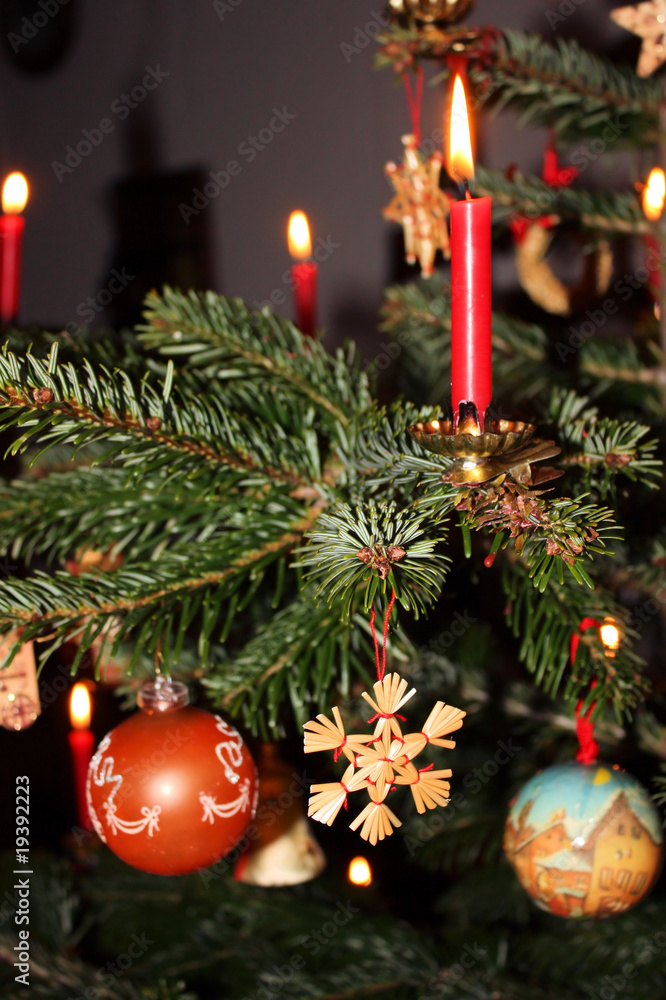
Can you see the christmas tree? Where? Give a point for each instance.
(217, 499)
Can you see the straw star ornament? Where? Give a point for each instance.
(380, 762)
(648, 20)
(419, 206)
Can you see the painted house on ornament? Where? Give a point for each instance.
(606, 867)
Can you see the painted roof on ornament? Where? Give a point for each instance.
(566, 860)
(587, 793)
(540, 830)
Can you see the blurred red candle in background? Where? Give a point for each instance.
(652, 201)
(303, 273)
(12, 224)
(81, 741)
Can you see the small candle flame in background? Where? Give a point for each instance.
(610, 636)
(79, 707)
(460, 162)
(14, 194)
(654, 194)
(359, 872)
(298, 236)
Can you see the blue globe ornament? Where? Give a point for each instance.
(584, 840)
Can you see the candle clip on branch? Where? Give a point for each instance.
(504, 447)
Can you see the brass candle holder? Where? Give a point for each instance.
(504, 447)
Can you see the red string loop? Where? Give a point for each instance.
(338, 750)
(575, 638)
(421, 770)
(386, 715)
(588, 750)
(414, 100)
(386, 625)
(381, 664)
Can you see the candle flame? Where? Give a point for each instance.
(359, 872)
(298, 235)
(79, 707)
(654, 194)
(460, 162)
(14, 194)
(610, 635)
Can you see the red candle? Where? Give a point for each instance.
(471, 348)
(12, 223)
(81, 741)
(303, 273)
(652, 201)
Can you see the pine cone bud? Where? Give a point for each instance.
(42, 396)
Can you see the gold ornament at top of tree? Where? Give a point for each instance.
(432, 11)
(648, 20)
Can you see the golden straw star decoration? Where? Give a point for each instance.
(380, 762)
(419, 206)
(648, 20)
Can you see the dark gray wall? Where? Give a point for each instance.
(225, 78)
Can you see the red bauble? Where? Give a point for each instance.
(172, 789)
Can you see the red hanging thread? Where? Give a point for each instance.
(338, 750)
(588, 750)
(575, 638)
(421, 770)
(381, 665)
(414, 100)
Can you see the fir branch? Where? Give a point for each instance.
(156, 602)
(381, 456)
(560, 86)
(209, 331)
(612, 361)
(547, 534)
(378, 547)
(604, 448)
(602, 212)
(57, 514)
(569, 89)
(301, 653)
(545, 622)
(58, 404)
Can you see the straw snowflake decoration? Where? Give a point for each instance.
(379, 762)
(419, 206)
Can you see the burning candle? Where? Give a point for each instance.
(303, 273)
(471, 351)
(359, 872)
(12, 223)
(654, 194)
(652, 201)
(81, 741)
